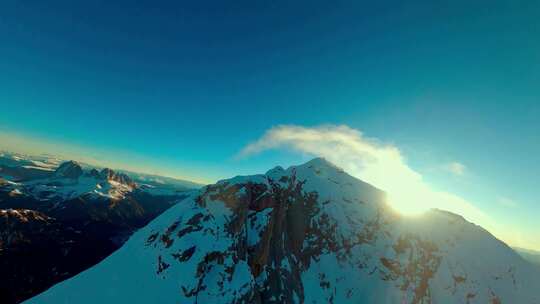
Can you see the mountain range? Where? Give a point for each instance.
(307, 234)
(58, 218)
(532, 256)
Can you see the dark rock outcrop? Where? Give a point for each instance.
(109, 174)
(37, 251)
(93, 173)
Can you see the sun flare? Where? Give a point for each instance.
(406, 207)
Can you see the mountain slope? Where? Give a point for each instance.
(308, 234)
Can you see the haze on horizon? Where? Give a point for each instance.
(440, 101)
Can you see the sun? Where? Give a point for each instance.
(408, 202)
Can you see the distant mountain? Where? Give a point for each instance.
(26, 167)
(22, 167)
(162, 182)
(529, 255)
(308, 234)
(58, 218)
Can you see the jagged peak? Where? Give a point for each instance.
(316, 169)
(69, 163)
(94, 173)
(322, 164)
(312, 167)
(319, 162)
(275, 170)
(69, 169)
(106, 172)
(110, 174)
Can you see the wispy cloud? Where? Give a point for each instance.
(507, 202)
(377, 163)
(456, 168)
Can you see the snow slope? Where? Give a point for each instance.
(308, 234)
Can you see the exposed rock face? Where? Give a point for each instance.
(94, 173)
(70, 169)
(308, 234)
(14, 221)
(37, 250)
(109, 174)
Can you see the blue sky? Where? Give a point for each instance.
(181, 88)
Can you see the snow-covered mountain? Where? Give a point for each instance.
(48, 178)
(308, 234)
(57, 218)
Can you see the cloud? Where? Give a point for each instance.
(370, 160)
(506, 202)
(456, 168)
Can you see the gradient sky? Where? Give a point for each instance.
(181, 88)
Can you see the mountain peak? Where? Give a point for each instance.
(320, 164)
(94, 173)
(107, 172)
(69, 169)
(316, 165)
(122, 178)
(319, 161)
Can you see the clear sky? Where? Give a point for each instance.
(181, 88)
